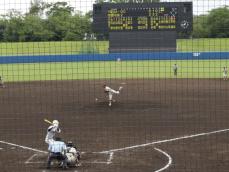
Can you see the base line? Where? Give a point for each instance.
(167, 140)
(23, 147)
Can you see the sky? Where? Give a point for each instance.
(199, 6)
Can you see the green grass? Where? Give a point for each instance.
(47, 48)
(77, 47)
(125, 69)
(203, 45)
(98, 70)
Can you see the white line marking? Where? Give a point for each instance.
(169, 160)
(23, 147)
(109, 161)
(95, 162)
(84, 162)
(1, 148)
(167, 140)
(28, 161)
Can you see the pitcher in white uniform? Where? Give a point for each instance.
(109, 91)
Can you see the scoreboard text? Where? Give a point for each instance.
(158, 18)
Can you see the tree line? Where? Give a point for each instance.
(215, 24)
(61, 22)
(45, 22)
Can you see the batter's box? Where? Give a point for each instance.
(89, 158)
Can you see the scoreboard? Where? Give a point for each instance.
(142, 19)
(165, 16)
(142, 27)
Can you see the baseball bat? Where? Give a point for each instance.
(47, 121)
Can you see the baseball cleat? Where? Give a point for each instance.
(120, 88)
(110, 104)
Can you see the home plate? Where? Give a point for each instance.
(123, 83)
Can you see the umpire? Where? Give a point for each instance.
(57, 151)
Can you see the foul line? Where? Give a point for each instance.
(169, 160)
(23, 147)
(165, 141)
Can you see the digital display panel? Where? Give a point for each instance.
(158, 18)
(164, 16)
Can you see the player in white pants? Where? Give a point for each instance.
(110, 92)
(51, 131)
(225, 73)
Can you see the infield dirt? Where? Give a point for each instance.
(147, 110)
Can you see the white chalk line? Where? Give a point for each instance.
(169, 160)
(109, 161)
(23, 147)
(167, 140)
(29, 160)
(111, 152)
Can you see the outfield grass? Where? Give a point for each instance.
(111, 69)
(47, 48)
(78, 47)
(203, 45)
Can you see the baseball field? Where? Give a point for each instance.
(158, 123)
(79, 47)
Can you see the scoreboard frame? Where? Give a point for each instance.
(183, 16)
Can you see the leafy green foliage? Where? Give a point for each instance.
(213, 25)
(45, 22)
(60, 22)
(218, 23)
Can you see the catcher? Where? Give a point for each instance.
(109, 91)
(73, 155)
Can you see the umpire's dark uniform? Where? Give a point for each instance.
(57, 151)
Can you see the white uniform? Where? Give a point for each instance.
(225, 73)
(51, 132)
(110, 92)
(2, 82)
(72, 156)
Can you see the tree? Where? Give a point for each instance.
(59, 9)
(34, 29)
(13, 26)
(199, 27)
(37, 7)
(58, 18)
(2, 29)
(218, 22)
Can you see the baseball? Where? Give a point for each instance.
(96, 99)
